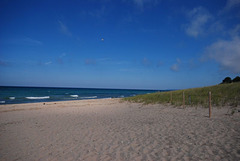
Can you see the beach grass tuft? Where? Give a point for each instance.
(221, 95)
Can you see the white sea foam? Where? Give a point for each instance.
(37, 98)
(89, 97)
(107, 98)
(75, 96)
(122, 96)
(12, 98)
(2, 102)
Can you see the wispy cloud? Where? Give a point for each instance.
(176, 67)
(64, 29)
(30, 41)
(90, 62)
(4, 63)
(25, 41)
(62, 55)
(142, 3)
(160, 63)
(60, 58)
(179, 61)
(146, 62)
(193, 64)
(127, 70)
(226, 53)
(48, 63)
(106, 62)
(139, 3)
(235, 31)
(231, 4)
(97, 13)
(198, 18)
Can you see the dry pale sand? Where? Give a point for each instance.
(112, 130)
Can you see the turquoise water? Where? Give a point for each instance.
(15, 95)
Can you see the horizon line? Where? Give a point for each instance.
(88, 88)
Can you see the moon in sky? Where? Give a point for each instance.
(102, 39)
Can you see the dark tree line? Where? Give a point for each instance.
(229, 80)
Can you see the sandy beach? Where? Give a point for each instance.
(109, 129)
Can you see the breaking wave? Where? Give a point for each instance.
(89, 97)
(37, 98)
(75, 96)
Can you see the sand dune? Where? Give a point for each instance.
(108, 129)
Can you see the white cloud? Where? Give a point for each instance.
(226, 53)
(64, 29)
(198, 18)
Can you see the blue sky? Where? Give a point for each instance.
(140, 44)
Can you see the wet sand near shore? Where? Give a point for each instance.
(109, 129)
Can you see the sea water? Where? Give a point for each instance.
(15, 95)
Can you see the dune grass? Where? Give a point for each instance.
(221, 95)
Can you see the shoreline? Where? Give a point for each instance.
(109, 129)
(55, 101)
(27, 106)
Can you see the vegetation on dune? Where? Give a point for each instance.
(221, 95)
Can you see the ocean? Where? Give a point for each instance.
(16, 95)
